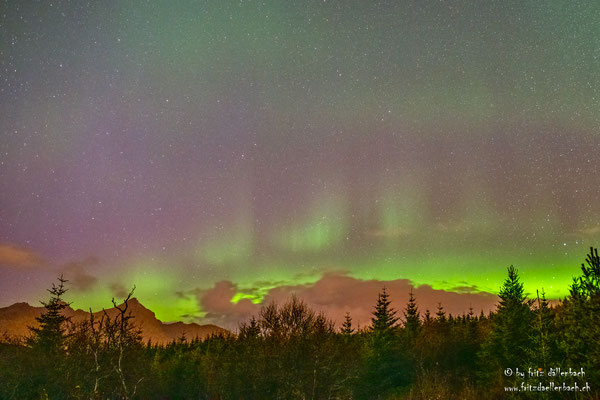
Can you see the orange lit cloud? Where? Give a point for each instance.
(337, 293)
(15, 256)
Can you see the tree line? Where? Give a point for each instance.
(289, 351)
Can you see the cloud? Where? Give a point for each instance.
(466, 289)
(119, 290)
(216, 302)
(337, 293)
(15, 256)
(76, 273)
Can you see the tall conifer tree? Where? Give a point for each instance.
(384, 317)
(510, 341)
(412, 316)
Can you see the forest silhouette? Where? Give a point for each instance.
(526, 348)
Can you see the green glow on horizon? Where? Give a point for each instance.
(486, 272)
(96, 299)
(155, 287)
(460, 273)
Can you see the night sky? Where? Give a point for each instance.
(219, 154)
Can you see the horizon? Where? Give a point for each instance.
(453, 303)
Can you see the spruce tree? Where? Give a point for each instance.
(510, 341)
(589, 281)
(49, 337)
(513, 322)
(472, 327)
(387, 365)
(544, 351)
(472, 342)
(579, 320)
(427, 319)
(347, 328)
(384, 317)
(440, 314)
(412, 317)
(47, 343)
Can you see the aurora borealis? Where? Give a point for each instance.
(213, 153)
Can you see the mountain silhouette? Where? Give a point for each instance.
(16, 319)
